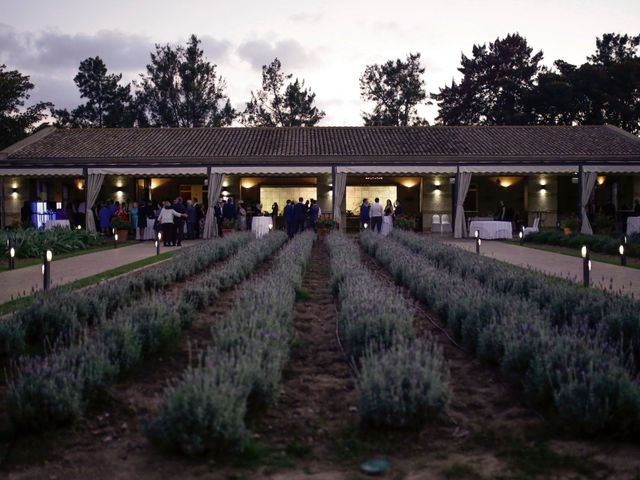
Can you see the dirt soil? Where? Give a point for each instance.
(311, 432)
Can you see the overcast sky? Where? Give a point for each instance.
(325, 42)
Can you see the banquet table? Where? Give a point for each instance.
(149, 232)
(491, 230)
(387, 225)
(633, 225)
(260, 225)
(51, 224)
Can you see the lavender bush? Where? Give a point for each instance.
(56, 313)
(404, 385)
(205, 410)
(574, 366)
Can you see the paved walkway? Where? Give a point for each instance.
(603, 275)
(24, 281)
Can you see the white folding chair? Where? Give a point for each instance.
(445, 223)
(435, 223)
(535, 228)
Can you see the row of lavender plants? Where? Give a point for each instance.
(615, 316)
(575, 372)
(401, 380)
(59, 313)
(207, 409)
(54, 389)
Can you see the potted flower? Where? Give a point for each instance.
(121, 227)
(324, 226)
(569, 225)
(229, 225)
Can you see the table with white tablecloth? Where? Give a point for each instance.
(387, 225)
(51, 224)
(633, 225)
(149, 232)
(491, 230)
(260, 226)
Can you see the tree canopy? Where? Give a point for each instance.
(182, 89)
(281, 104)
(17, 122)
(109, 104)
(396, 88)
(496, 82)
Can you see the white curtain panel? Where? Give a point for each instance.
(215, 188)
(588, 182)
(94, 183)
(339, 189)
(463, 182)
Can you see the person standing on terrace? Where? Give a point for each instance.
(364, 213)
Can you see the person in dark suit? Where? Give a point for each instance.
(299, 215)
(314, 213)
(218, 215)
(179, 207)
(229, 210)
(287, 213)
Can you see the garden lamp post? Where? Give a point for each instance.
(158, 238)
(623, 257)
(46, 269)
(478, 241)
(586, 265)
(521, 237)
(366, 225)
(12, 253)
(115, 240)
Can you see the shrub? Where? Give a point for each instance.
(403, 385)
(119, 223)
(32, 243)
(404, 223)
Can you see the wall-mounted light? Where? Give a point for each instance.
(574, 179)
(79, 184)
(58, 205)
(600, 179)
(119, 193)
(14, 192)
(543, 190)
(437, 190)
(225, 193)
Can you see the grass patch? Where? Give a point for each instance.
(22, 302)
(461, 470)
(298, 450)
(530, 458)
(302, 295)
(570, 252)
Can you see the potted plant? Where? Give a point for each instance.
(569, 225)
(229, 225)
(324, 226)
(404, 223)
(122, 227)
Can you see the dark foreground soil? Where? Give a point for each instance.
(311, 432)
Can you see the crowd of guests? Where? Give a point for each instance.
(375, 214)
(168, 217)
(299, 215)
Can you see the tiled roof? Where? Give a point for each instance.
(341, 143)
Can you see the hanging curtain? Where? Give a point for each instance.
(462, 184)
(94, 183)
(339, 188)
(588, 182)
(215, 188)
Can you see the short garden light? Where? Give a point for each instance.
(586, 265)
(12, 258)
(366, 225)
(115, 240)
(46, 270)
(79, 227)
(478, 242)
(159, 237)
(521, 236)
(270, 226)
(623, 257)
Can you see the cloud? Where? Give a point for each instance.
(261, 52)
(307, 17)
(51, 51)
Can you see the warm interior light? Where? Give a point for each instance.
(601, 179)
(79, 184)
(583, 251)
(225, 193)
(49, 255)
(248, 183)
(225, 183)
(409, 182)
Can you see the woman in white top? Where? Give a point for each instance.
(167, 225)
(242, 215)
(387, 219)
